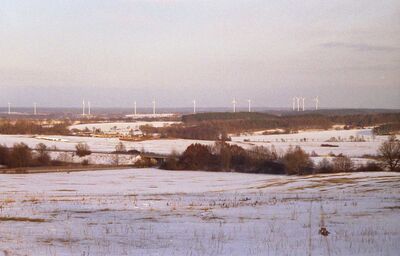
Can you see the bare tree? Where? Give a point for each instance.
(342, 164)
(43, 156)
(389, 151)
(82, 149)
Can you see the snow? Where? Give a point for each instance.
(163, 146)
(121, 127)
(314, 139)
(155, 212)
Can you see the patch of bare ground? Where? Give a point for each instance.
(273, 184)
(340, 180)
(312, 186)
(32, 200)
(22, 219)
(396, 207)
(212, 217)
(150, 219)
(51, 241)
(372, 190)
(388, 181)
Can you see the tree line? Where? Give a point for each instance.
(23, 126)
(295, 161)
(216, 126)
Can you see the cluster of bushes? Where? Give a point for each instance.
(295, 161)
(387, 129)
(225, 157)
(33, 127)
(20, 155)
(200, 132)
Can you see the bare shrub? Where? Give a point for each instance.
(342, 164)
(43, 157)
(82, 149)
(325, 166)
(171, 163)
(297, 162)
(65, 158)
(370, 167)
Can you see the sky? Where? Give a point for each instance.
(57, 52)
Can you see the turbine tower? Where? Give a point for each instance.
(134, 104)
(83, 107)
(89, 113)
(34, 108)
(194, 106)
(9, 108)
(303, 99)
(154, 106)
(316, 102)
(249, 101)
(294, 103)
(234, 105)
(298, 103)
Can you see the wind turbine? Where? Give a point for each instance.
(234, 105)
(194, 106)
(89, 113)
(316, 99)
(135, 108)
(9, 108)
(294, 103)
(83, 107)
(34, 108)
(303, 99)
(298, 103)
(154, 106)
(249, 101)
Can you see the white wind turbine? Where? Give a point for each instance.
(298, 103)
(303, 99)
(35, 108)
(9, 108)
(249, 102)
(316, 100)
(89, 110)
(294, 103)
(194, 106)
(154, 106)
(234, 105)
(83, 107)
(134, 105)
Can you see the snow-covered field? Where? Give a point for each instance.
(102, 144)
(310, 141)
(123, 128)
(154, 212)
(280, 142)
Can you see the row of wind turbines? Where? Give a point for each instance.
(300, 103)
(34, 108)
(153, 102)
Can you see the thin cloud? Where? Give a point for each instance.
(360, 47)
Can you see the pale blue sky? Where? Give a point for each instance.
(114, 52)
